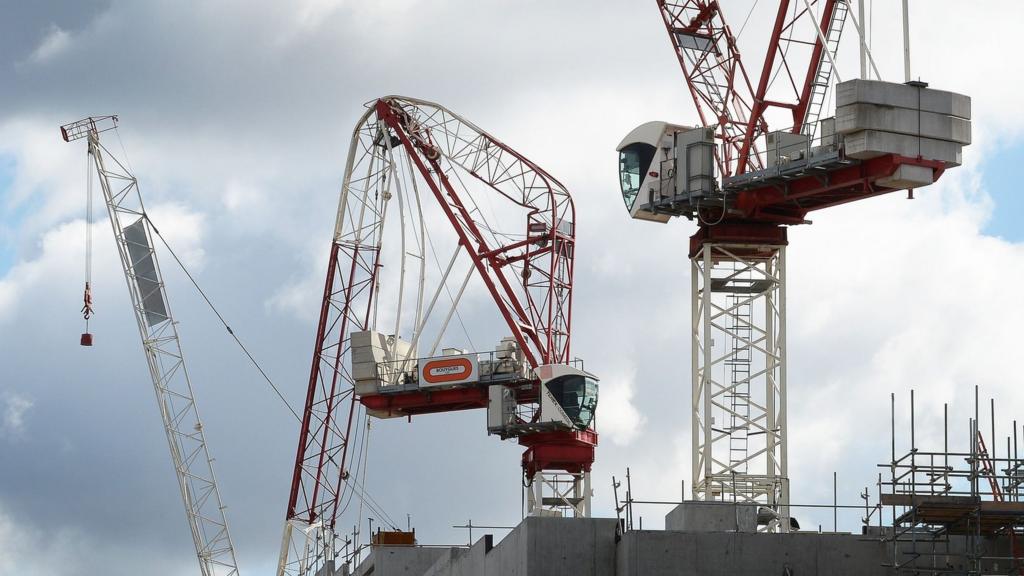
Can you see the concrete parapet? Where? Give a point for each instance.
(700, 516)
(645, 553)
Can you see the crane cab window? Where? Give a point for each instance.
(577, 395)
(634, 162)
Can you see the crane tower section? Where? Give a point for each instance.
(762, 158)
(435, 217)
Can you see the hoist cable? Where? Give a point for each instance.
(749, 14)
(87, 310)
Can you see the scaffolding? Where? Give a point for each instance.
(956, 512)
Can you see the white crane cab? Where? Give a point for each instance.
(666, 169)
(568, 401)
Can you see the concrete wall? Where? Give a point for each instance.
(545, 547)
(700, 516)
(400, 560)
(443, 565)
(649, 553)
(589, 547)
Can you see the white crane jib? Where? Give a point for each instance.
(133, 233)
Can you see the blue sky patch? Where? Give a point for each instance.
(1001, 178)
(8, 220)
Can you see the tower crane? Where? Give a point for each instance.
(743, 181)
(422, 182)
(133, 234)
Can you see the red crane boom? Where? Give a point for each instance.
(794, 75)
(526, 266)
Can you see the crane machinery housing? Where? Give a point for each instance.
(743, 183)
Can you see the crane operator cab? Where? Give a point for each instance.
(568, 401)
(666, 169)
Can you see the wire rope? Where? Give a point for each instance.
(220, 317)
(743, 27)
(437, 263)
(87, 310)
(358, 488)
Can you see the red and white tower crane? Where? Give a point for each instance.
(427, 194)
(134, 234)
(763, 157)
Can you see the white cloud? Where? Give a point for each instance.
(60, 248)
(183, 230)
(38, 196)
(310, 14)
(617, 415)
(13, 414)
(55, 42)
(61, 254)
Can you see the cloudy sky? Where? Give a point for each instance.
(236, 117)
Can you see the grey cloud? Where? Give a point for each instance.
(233, 94)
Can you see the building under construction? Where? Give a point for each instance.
(430, 201)
(936, 511)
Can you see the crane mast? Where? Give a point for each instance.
(738, 271)
(134, 234)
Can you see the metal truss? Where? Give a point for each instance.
(715, 74)
(537, 301)
(798, 66)
(407, 157)
(794, 76)
(557, 493)
(193, 466)
(739, 375)
(310, 542)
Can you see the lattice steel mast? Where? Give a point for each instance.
(738, 269)
(133, 234)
